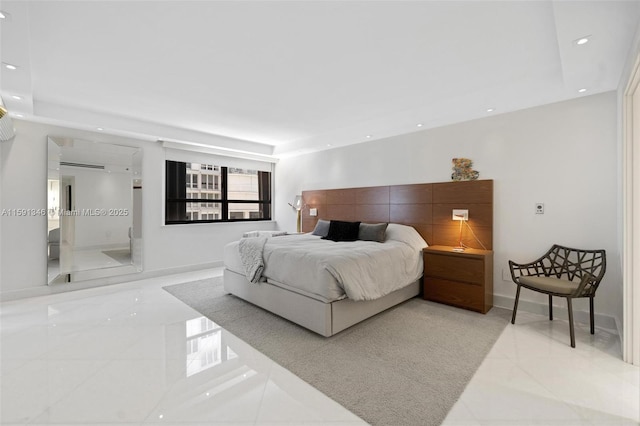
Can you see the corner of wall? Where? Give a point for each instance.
(601, 320)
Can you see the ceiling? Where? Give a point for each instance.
(287, 77)
(89, 152)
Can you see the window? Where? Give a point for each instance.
(207, 182)
(239, 194)
(192, 180)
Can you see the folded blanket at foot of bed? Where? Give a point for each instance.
(251, 250)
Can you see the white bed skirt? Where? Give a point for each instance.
(326, 319)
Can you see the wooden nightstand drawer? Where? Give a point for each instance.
(457, 268)
(455, 293)
(463, 279)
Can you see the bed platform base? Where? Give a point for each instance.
(326, 319)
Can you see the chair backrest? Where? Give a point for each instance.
(570, 263)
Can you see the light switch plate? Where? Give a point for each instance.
(313, 212)
(506, 275)
(539, 208)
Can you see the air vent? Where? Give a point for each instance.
(86, 166)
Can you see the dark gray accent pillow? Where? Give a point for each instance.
(322, 228)
(373, 232)
(343, 231)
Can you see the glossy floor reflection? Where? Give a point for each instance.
(133, 354)
(532, 376)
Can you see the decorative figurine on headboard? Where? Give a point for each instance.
(462, 170)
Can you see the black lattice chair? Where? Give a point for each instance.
(562, 272)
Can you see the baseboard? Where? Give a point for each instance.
(619, 328)
(46, 290)
(559, 312)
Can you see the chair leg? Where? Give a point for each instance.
(593, 328)
(515, 306)
(571, 332)
(550, 308)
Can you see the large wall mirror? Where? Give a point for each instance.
(94, 193)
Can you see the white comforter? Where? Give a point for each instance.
(363, 270)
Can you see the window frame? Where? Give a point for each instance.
(264, 195)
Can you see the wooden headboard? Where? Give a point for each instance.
(425, 206)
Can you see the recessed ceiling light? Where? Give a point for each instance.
(100, 128)
(420, 124)
(3, 15)
(490, 109)
(582, 90)
(582, 40)
(368, 136)
(328, 144)
(9, 66)
(17, 98)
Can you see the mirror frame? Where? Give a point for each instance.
(92, 155)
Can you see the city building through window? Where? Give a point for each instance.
(198, 192)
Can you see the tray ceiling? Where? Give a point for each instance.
(287, 77)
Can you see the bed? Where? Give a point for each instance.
(423, 208)
(324, 285)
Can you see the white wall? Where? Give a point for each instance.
(563, 154)
(23, 177)
(1, 204)
(94, 190)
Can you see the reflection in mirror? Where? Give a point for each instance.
(94, 201)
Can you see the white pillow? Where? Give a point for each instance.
(405, 234)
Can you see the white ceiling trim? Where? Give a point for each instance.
(218, 151)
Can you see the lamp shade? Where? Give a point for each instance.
(6, 125)
(297, 203)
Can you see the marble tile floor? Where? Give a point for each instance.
(532, 376)
(133, 354)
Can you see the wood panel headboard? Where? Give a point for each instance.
(425, 206)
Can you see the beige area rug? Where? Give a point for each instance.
(405, 366)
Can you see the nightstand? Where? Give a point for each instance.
(462, 279)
